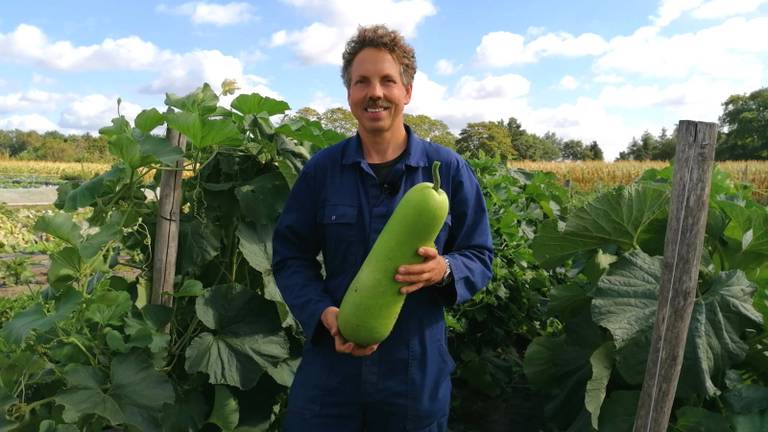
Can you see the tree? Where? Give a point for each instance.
(573, 150)
(309, 113)
(744, 127)
(339, 119)
(431, 129)
(594, 152)
(490, 138)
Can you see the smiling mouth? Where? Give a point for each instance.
(375, 109)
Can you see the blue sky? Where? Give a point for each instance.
(591, 70)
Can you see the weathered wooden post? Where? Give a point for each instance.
(167, 234)
(679, 275)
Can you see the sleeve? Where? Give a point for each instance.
(469, 246)
(296, 244)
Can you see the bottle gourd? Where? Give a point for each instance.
(373, 300)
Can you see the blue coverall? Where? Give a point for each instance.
(338, 207)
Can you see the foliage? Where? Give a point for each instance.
(91, 354)
(650, 147)
(744, 127)
(53, 146)
(485, 138)
(431, 129)
(590, 367)
(491, 331)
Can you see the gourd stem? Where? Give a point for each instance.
(436, 175)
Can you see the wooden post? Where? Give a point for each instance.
(167, 234)
(679, 275)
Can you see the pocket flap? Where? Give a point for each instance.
(339, 214)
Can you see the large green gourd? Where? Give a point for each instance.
(373, 300)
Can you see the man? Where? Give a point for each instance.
(338, 206)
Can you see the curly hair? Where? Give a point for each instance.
(379, 36)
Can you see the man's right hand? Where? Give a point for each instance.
(328, 318)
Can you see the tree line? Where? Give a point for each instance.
(743, 135)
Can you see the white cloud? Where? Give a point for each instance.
(253, 56)
(499, 49)
(670, 10)
(2, 82)
(176, 72)
(446, 67)
(718, 51)
(28, 44)
(321, 102)
(91, 112)
(322, 42)
(502, 86)
(569, 83)
(33, 99)
(28, 122)
(726, 8)
(212, 13)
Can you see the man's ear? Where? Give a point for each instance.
(408, 93)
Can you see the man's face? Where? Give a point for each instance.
(376, 94)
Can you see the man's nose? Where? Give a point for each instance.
(375, 91)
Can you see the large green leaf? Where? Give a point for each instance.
(139, 390)
(109, 307)
(618, 411)
(149, 119)
(186, 123)
(257, 104)
(617, 217)
(160, 149)
(695, 419)
(59, 225)
(258, 252)
(602, 365)
(35, 317)
(65, 267)
(247, 341)
(87, 193)
(108, 232)
(625, 303)
(126, 149)
(136, 393)
(262, 200)
(119, 126)
(747, 236)
(226, 410)
(221, 132)
(202, 100)
(198, 245)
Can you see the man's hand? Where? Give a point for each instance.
(429, 272)
(328, 318)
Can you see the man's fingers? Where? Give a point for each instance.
(411, 288)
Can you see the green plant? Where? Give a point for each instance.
(92, 354)
(591, 367)
(15, 271)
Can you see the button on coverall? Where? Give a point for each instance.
(337, 207)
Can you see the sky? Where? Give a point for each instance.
(595, 70)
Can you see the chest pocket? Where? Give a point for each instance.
(341, 230)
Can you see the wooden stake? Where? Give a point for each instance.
(167, 234)
(679, 275)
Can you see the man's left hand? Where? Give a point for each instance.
(428, 272)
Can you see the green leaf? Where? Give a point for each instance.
(221, 132)
(198, 245)
(618, 412)
(109, 307)
(202, 100)
(65, 267)
(259, 105)
(87, 193)
(248, 339)
(226, 410)
(186, 123)
(747, 399)
(695, 419)
(59, 225)
(262, 200)
(6, 401)
(119, 126)
(139, 390)
(148, 120)
(126, 149)
(617, 217)
(34, 317)
(78, 402)
(625, 303)
(602, 365)
(757, 422)
(108, 232)
(160, 149)
(190, 288)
